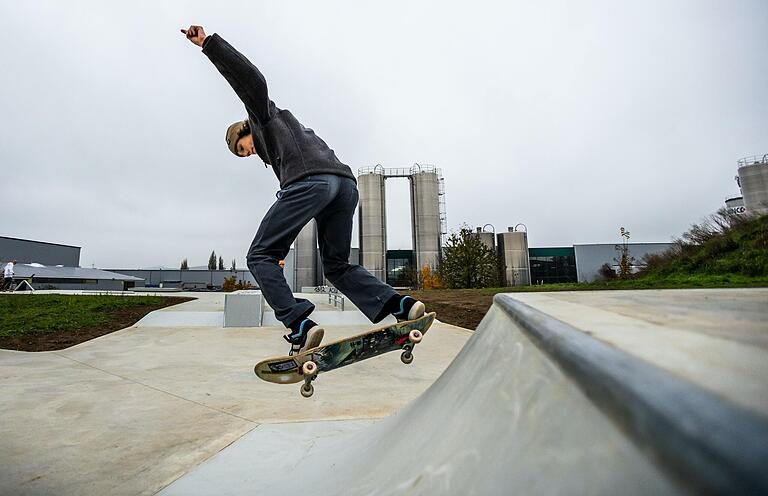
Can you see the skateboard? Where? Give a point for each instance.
(306, 365)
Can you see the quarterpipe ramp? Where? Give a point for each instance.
(529, 406)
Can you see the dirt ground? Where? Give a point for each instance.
(463, 308)
(119, 319)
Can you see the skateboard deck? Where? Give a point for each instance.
(306, 365)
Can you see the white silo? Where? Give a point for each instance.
(425, 216)
(487, 238)
(735, 204)
(305, 249)
(513, 248)
(753, 181)
(372, 221)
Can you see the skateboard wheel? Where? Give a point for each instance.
(309, 368)
(406, 357)
(307, 390)
(415, 336)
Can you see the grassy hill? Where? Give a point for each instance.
(723, 245)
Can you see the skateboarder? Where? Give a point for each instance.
(314, 183)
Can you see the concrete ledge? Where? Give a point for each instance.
(244, 308)
(709, 444)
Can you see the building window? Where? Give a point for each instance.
(400, 271)
(552, 265)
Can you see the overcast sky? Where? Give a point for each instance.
(574, 118)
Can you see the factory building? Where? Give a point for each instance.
(186, 280)
(524, 265)
(553, 265)
(590, 257)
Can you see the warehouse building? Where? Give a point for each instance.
(590, 257)
(47, 265)
(26, 251)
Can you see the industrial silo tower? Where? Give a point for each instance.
(753, 181)
(428, 220)
(373, 221)
(513, 248)
(425, 216)
(488, 238)
(306, 262)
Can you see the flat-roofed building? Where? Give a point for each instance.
(72, 278)
(42, 252)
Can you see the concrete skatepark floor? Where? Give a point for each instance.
(177, 410)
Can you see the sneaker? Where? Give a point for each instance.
(409, 309)
(307, 335)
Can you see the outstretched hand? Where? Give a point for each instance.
(195, 34)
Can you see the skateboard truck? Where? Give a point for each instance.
(414, 337)
(309, 370)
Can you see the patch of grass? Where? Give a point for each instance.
(722, 245)
(50, 313)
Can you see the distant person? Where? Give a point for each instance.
(8, 276)
(314, 184)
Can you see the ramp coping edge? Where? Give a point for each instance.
(703, 440)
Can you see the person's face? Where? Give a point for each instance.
(245, 147)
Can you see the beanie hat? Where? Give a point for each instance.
(235, 132)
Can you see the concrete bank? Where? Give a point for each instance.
(533, 405)
(130, 412)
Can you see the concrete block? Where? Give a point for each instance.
(244, 308)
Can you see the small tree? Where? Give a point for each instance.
(212, 261)
(409, 276)
(221, 263)
(184, 265)
(468, 262)
(233, 268)
(607, 272)
(229, 284)
(429, 279)
(625, 260)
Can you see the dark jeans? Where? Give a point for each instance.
(7, 284)
(331, 200)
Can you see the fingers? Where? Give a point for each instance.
(191, 31)
(195, 34)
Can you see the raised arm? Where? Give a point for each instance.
(240, 73)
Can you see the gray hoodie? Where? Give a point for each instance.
(293, 151)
